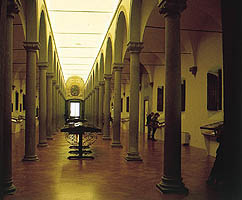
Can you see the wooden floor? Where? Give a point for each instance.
(109, 176)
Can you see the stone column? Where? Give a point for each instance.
(106, 126)
(90, 108)
(8, 186)
(93, 106)
(54, 107)
(96, 105)
(30, 122)
(171, 181)
(117, 105)
(232, 84)
(57, 99)
(49, 129)
(42, 104)
(3, 64)
(134, 48)
(101, 95)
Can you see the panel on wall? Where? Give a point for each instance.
(160, 98)
(127, 104)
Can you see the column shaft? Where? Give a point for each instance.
(49, 108)
(54, 108)
(93, 107)
(106, 127)
(171, 180)
(42, 106)
(232, 84)
(117, 107)
(8, 186)
(133, 153)
(3, 63)
(101, 92)
(30, 122)
(96, 105)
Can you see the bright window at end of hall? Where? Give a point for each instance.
(75, 109)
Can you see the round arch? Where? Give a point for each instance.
(50, 55)
(43, 55)
(134, 24)
(96, 74)
(108, 58)
(120, 43)
(101, 68)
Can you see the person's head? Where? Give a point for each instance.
(157, 115)
(151, 113)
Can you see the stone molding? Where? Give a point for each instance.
(135, 47)
(107, 76)
(101, 83)
(50, 75)
(13, 7)
(171, 7)
(43, 65)
(118, 66)
(31, 46)
(54, 82)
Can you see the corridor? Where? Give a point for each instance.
(109, 176)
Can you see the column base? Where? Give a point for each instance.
(43, 144)
(117, 144)
(105, 137)
(9, 187)
(172, 185)
(133, 157)
(49, 138)
(30, 158)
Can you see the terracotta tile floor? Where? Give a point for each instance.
(109, 176)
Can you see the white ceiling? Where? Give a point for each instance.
(79, 28)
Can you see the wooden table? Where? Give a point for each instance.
(80, 130)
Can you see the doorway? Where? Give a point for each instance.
(75, 109)
(146, 112)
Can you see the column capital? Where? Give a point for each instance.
(171, 7)
(135, 47)
(118, 66)
(50, 75)
(13, 7)
(57, 86)
(107, 76)
(43, 65)
(101, 83)
(96, 87)
(31, 46)
(54, 81)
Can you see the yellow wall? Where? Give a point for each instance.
(209, 58)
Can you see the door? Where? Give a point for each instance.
(146, 112)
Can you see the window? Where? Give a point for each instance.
(127, 104)
(75, 109)
(16, 100)
(214, 91)
(24, 102)
(121, 104)
(183, 95)
(160, 98)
